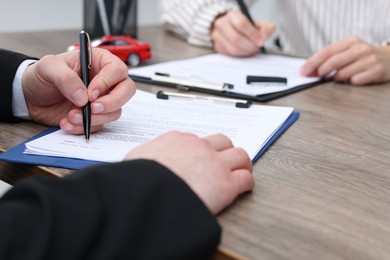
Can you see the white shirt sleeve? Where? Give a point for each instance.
(19, 106)
(192, 20)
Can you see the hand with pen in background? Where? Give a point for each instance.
(235, 33)
(55, 92)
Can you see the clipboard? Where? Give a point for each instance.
(16, 155)
(259, 98)
(160, 74)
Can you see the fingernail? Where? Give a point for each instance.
(95, 94)
(97, 108)
(79, 97)
(67, 127)
(77, 118)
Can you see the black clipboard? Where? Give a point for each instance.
(147, 76)
(259, 98)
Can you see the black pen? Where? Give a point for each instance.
(245, 11)
(85, 61)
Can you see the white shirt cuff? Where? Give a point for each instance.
(19, 106)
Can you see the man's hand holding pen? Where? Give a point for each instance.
(55, 92)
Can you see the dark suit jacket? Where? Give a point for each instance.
(9, 63)
(129, 210)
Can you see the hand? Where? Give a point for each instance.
(55, 93)
(352, 60)
(233, 34)
(215, 170)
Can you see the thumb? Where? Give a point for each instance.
(56, 71)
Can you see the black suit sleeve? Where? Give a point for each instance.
(9, 63)
(128, 210)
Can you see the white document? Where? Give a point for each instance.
(145, 117)
(4, 187)
(220, 69)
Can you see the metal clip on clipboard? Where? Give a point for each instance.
(238, 102)
(185, 84)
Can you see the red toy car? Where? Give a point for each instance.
(125, 47)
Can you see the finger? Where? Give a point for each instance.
(242, 24)
(68, 81)
(372, 75)
(70, 128)
(337, 62)
(230, 41)
(219, 142)
(354, 68)
(75, 117)
(236, 158)
(107, 71)
(224, 46)
(376, 71)
(314, 62)
(242, 180)
(114, 99)
(266, 30)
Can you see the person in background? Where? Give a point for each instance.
(348, 39)
(158, 203)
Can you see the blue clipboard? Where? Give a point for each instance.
(16, 154)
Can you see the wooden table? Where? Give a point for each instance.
(322, 189)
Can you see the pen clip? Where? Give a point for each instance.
(90, 51)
